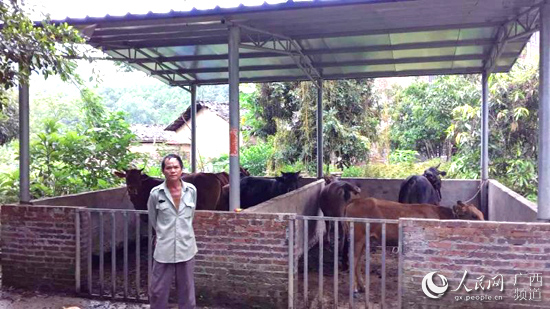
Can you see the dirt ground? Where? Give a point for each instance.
(359, 299)
(19, 299)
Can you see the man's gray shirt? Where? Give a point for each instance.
(174, 228)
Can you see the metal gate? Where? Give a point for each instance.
(119, 235)
(329, 294)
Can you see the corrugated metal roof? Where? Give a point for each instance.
(338, 39)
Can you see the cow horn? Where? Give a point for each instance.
(438, 165)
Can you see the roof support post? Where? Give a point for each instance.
(193, 128)
(319, 129)
(543, 212)
(234, 176)
(24, 153)
(484, 143)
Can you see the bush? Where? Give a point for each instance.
(403, 156)
(353, 171)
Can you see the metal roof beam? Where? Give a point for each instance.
(337, 34)
(278, 43)
(154, 41)
(155, 29)
(180, 35)
(524, 24)
(342, 50)
(186, 30)
(166, 77)
(338, 64)
(467, 70)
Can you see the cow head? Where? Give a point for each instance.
(434, 176)
(289, 180)
(330, 178)
(133, 180)
(467, 212)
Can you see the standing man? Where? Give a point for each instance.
(171, 208)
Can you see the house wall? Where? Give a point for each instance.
(156, 151)
(212, 134)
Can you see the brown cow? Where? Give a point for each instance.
(224, 177)
(223, 202)
(139, 187)
(332, 200)
(381, 209)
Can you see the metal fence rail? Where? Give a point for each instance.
(350, 224)
(119, 287)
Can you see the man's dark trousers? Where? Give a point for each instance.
(161, 281)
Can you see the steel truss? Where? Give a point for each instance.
(169, 77)
(281, 44)
(523, 25)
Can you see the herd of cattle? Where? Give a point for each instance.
(212, 188)
(419, 197)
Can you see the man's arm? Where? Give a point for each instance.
(152, 209)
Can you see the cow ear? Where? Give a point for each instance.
(119, 174)
(442, 173)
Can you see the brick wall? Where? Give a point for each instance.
(38, 247)
(242, 259)
(484, 249)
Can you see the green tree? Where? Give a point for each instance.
(9, 118)
(26, 47)
(423, 113)
(513, 129)
(45, 48)
(287, 111)
(65, 160)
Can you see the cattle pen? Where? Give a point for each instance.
(272, 255)
(268, 256)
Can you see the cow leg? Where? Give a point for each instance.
(359, 248)
(360, 270)
(345, 250)
(328, 225)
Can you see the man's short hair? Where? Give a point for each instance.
(171, 156)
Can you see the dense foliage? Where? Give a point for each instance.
(513, 131)
(26, 47)
(444, 118)
(286, 112)
(423, 113)
(157, 104)
(72, 158)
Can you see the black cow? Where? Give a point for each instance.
(255, 190)
(425, 189)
